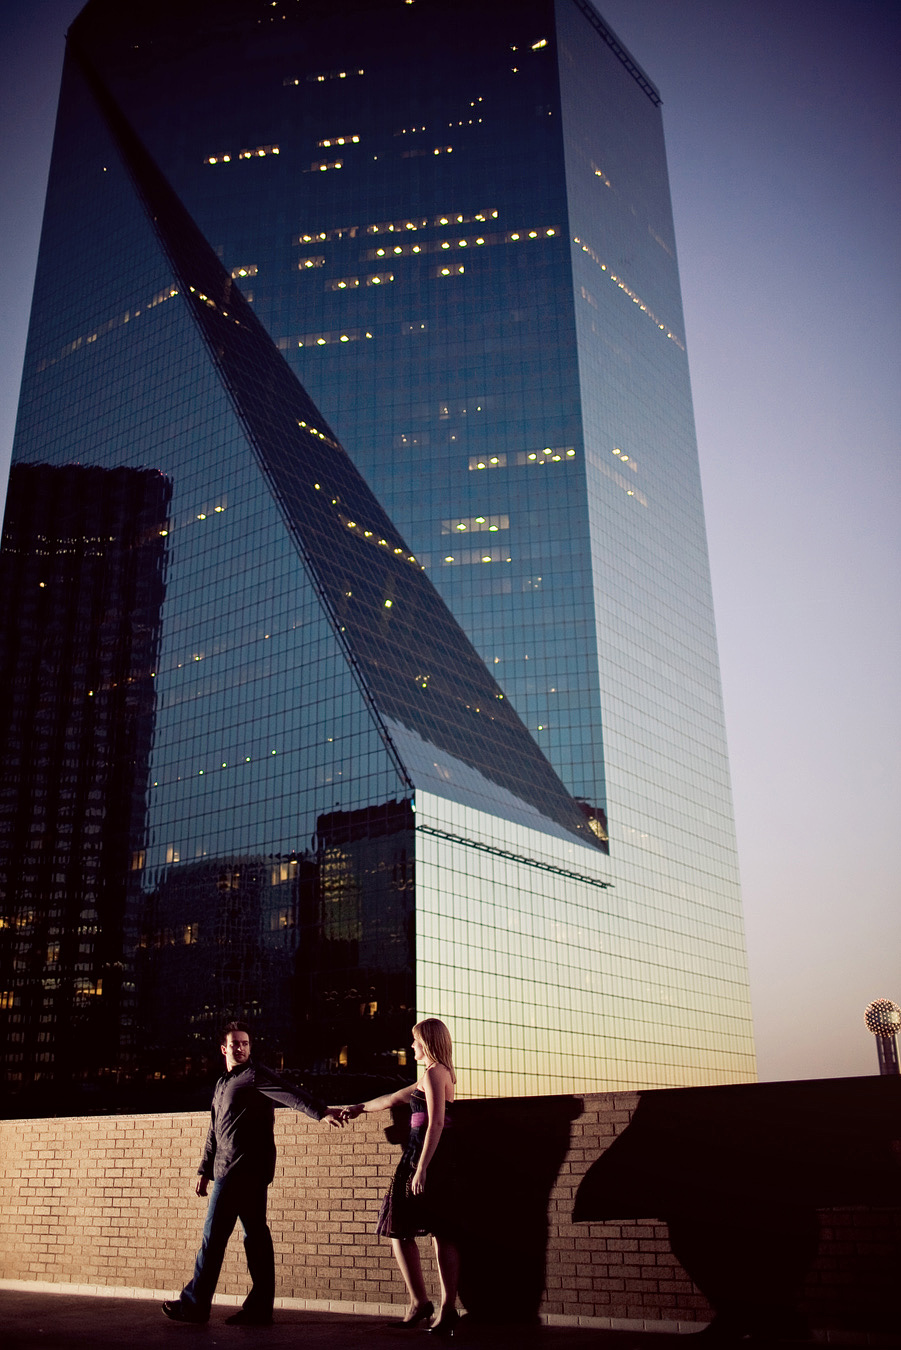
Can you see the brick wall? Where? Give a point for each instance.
(109, 1202)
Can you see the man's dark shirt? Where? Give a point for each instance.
(242, 1118)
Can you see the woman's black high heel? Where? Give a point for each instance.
(445, 1326)
(424, 1312)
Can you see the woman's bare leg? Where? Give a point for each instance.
(406, 1254)
(448, 1257)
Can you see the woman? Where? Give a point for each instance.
(421, 1197)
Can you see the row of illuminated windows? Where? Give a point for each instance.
(376, 278)
(627, 290)
(475, 524)
(392, 226)
(327, 336)
(320, 339)
(511, 236)
(120, 319)
(371, 536)
(259, 152)
(321, 77)
(437, 246)
(466, 557)
(549, 455)
(461, 122)
(436, 150)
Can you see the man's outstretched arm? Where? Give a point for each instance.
(285, 1093)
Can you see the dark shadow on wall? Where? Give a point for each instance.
(509, 1155)
(739, 1173)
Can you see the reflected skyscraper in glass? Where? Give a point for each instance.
(359, 656)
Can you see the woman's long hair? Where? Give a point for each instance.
(437, 1041)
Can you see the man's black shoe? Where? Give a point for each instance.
(243, 1318)
(183, 1312)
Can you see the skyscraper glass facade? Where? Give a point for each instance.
(368, 319)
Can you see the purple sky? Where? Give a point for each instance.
(782, 123)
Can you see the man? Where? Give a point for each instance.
(239, 1159)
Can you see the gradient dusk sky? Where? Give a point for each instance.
(782, 120)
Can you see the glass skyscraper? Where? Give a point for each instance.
(356, 416)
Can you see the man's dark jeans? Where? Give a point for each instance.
(235, 1197)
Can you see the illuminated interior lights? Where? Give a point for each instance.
(626, 459)
(314, 431)
(548, 455)
(250, 270)
(259, 152)
(320, 77)
(488, 462)
(474, 524)
(313, 339)
(476, 556)
(338, 140)
(368, 535)
(394, 226)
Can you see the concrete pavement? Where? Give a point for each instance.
(65, 1321)
(74, 1321)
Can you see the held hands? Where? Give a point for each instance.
(349, 1113)
(334, 1117)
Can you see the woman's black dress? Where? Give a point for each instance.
(405, 1215)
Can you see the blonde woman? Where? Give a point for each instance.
(422, 1197)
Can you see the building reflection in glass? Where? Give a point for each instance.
(314, 948)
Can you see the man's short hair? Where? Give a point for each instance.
(233, 1027)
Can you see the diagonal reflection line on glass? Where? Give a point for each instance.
(514, 857)
(414, 663)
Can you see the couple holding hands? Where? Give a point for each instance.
(239, 1160)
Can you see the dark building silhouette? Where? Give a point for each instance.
(82, 584)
